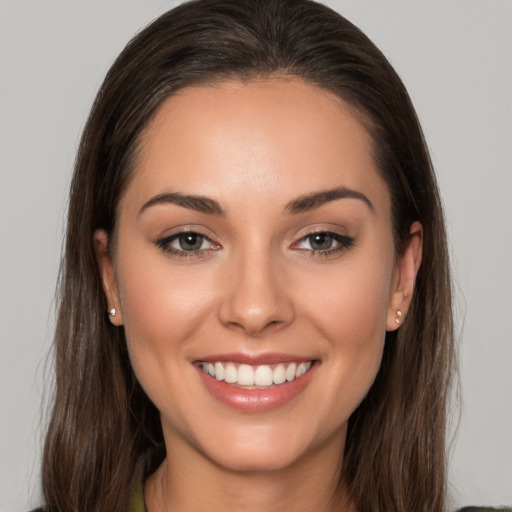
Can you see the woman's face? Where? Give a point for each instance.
(254, 242)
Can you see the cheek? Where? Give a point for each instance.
(351, 305)
(162, 311)
(157, 302)
(350, 312)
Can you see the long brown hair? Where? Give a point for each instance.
(102, 421)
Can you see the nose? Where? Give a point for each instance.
(257, 298)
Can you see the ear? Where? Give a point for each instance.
(106, 267)
(404, 278)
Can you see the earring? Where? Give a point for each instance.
(112, 312)
(398, 315)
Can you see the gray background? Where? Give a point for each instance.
(454, 56)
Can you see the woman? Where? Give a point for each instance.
(254, 205)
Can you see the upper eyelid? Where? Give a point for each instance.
(328, 231)
(316, 231)
(186, 230)
(321, 227)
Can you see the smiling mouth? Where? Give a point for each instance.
(255, 377)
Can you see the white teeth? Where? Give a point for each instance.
(245, 375)
(279, 374)
(261, 376)
(230, 373)
(301, 370)
(290, 372)
(219, 371)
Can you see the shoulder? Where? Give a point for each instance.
(485, 509)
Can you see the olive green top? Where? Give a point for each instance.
(137, 502)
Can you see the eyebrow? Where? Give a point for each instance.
(301, 204)
(312, 201)
(198, 203)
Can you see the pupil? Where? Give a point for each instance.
(321, 242)
(190, 242)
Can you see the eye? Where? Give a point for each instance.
(320, 241)
(189, 242)
(324, 242)
(186, 243)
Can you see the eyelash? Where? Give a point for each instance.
(344, 242)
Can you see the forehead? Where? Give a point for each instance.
(264, 136)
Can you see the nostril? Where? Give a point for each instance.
(255, 322)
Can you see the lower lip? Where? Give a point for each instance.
(256, 400)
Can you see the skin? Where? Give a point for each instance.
(256, 286)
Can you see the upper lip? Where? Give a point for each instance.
(255, 359)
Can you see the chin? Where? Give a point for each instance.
(257, 460)
(264, 451)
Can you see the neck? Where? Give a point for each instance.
(187, 481)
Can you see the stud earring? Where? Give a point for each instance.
(398, 316)
(112, 313)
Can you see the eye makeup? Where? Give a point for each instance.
(193, 243)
